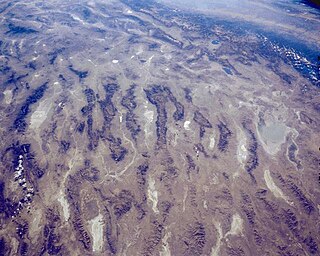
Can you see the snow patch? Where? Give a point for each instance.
(186, 125)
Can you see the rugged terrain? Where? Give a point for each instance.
(134, 128)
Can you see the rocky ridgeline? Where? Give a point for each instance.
(28, 191)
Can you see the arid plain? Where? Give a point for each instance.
(131, 128)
